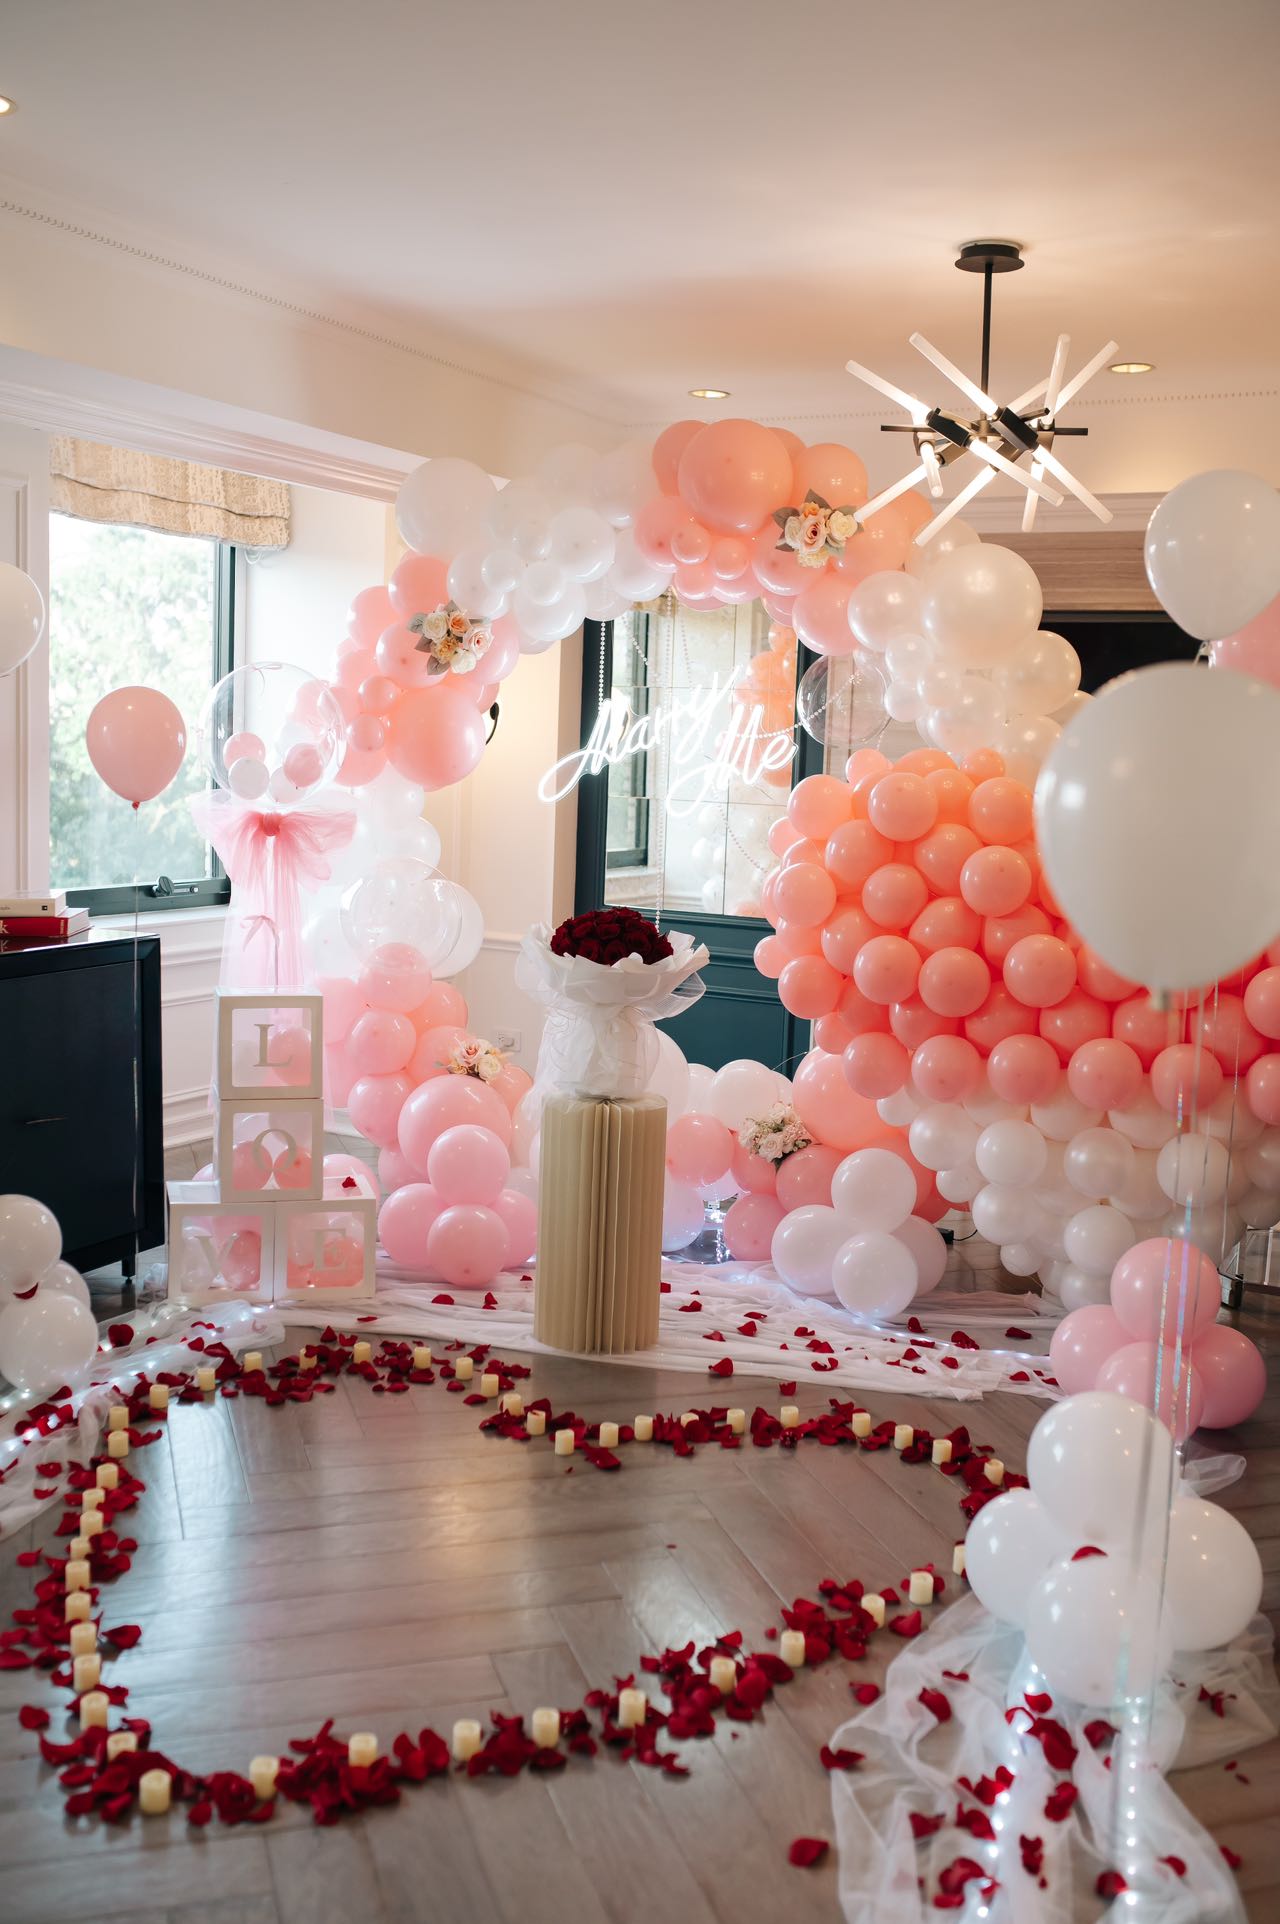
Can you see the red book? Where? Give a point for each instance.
(51, 927)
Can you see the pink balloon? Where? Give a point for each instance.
(468, 1245)
(749, 1227)
(1184, 1080)
(809, 987)
(468, 1165)
(1001, 1016)
(946, 1068)
(434, 1048)
(1262, 1003)
(945, 923)
(954, 982)
(1075, 1021)
(659, 525)
(292, 1169)
(136, 739)
(667, 450)
(1105, 1074)
(370, 612)
(881, 543)
(913, 1022)
(374, 1104)
(860, 1015)
(250, 1165)
(380, 1043)
(353, 668)
(821, 614)
(519, 1216)
(419, 584)
(805, 1177)
(805, 894)
(1225, 1031)
(854, 851)
(393, 1171)
(243, 747)
(1233, 1373)
(1000, 932)
(435, 735)
(828, 1107)
(1040, 970)
(832, 472)
(754, 1175)
(1145, 1029)
(404, 1220)
(360, 765)
(395, 977)
(1165, 1288)
(876, 1066)
(512, 1083)
(442, 1004)
(1254, 649)
(843, 934)
(445, 1103)
(1132, 1371)
(699, 1149)
(339, 1168)
(818, 806)
(894, 896)
(379, 694)
(941, 855)
(1097, 979)
(1262, 1089)
(1023, 1069)
(902, 806)
(734, 474)
(399, 659)
(1000, 809)
(996, 880)
(887, 968)
(1082, 1343)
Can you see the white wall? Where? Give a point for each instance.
(296, 598)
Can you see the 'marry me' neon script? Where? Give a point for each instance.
(707, 749)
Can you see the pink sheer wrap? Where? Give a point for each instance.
(271, 857)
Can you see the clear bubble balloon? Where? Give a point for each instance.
(271, 722)
(403, 901)
(840, 701)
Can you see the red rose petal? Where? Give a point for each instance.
(935, 1701)
(1233, 1858)
(806, 1851)
(1060, 1802)
(723, 1368)
(922, 1826)
(866, 1693)
(1110, 1884)
(1086, 1550)
(839, 1759)
(33, 1717)
(909, 1625)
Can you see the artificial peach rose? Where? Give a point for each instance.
(458, 623)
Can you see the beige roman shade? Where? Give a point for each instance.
(99, 483)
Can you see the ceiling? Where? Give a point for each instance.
(620, 203)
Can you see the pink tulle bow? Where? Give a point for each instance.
(271, 857)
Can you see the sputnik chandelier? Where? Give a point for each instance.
(1000, 438)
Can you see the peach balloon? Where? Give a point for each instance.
(886, 969)
(1254, 649)
(954, 982)
(1000, 932)
(844, 935)
(1147, 1030)
(419, 583)
(1001, 1015)
(435, 736)
(805, 1177)
(945, 923)
(819, 805)
(831, 1033)
(734, 474)
(659, 523)
(866, 761)
(829, 1108)
(809, 987)
(1184, 1079)
(793, 941)
(926, 762)
(1040, 970)
(1224, 1029)
(778, 570)
(667, 450)
(1096, 978)
(879, 546)
(876, 1066)
(749, 1225)
(831, 471)
(801, 850)
(854, 851)
(1074, 1021)
(1023, 1069)
(1262, 1003)
(782, 834)
(1000, 810)
(941, 855)
(894, 895)
(859, 1013)
(805, 894)
(996, 880)
(754, 1175)
(951, 790)
(912, 1022)
(1105, 1074)
(902, 807)
(399, 660)
(946, 1068)
(512, 1083)
(983, 765)
(1262, 1089)
(770, 957)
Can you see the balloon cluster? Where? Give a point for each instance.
(47, 1330)
(1158, 1341)
(464, 1214)
(1075, 1561)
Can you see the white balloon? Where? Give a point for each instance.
(30, 1242)
(670, 1078)
(898, 1109)
(1096, 1630)
(1079, 1289)
(874, 1274)
(1041, 677)
(525, 1120)
(973, 719)
(1098, 1163)
(928, 1250)
(622, 481)
(1103, 1468)
(1192, 1170)
(1010, 1545)
(1096, 1238)
(632, 574)
(1020, 1259)
(1024, 741)
(885, 608)
(47, 1340)
(942, 1136)
(1005, 1214)
(804, 1248)
(1062, 1117)
(1135, 808)
(1146, 1124)
(21, 617)
(873, 1190)
(248, 779)
(923, 557)
(471, 587)
(519, 517)
(986, 1107)
(65, 1281)
(441, 503)
(582, 542)
(1213, 1578)
(742, 1089)
(1011, 1152)
(1141, 1196)
(542, 623)
(468, 936)
(502, 569)
(1213, 551)
(683, 1215)
(959, 1185)
(603, 601)
(981, 604)
(701, 1082)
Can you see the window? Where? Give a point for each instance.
(130, 604)
(627, 845)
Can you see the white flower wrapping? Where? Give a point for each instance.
(599, 1038)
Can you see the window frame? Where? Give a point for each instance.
(213, 890)
(637, 766)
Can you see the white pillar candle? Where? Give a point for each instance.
(633, 1708)
(513, 1403)
(76, 1574)
(873, 1604)
(860, 1422)
(608, 1436)
(421, 1357)
(789, 1416)
(920, 1587)
(118, 1444)
(791, 1648)
(86, 1672)
(468, 1738)
(564, 1442)
(91, 1500)
(121, 1740)
(942, 1449)
(76, 1607)
(489, 1383)
(84, 1639)
(108, 1476)
(957, 1559)
(535, 1422)
(464, 1369)
(737, 1421)
(158, 1396)
(643, 1427)
(993, 1470)
(903, 1436)
(155, 1788)
(251, 1360)
(94, 1709)
(545, 1726)
(263, 1772)
(78, 1549)
(723, 1672)
(118, 1417)
(206, 1378)
(92, 1523)
(362, 1353)
(362, 1748)
(306, 1359)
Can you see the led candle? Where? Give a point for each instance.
(789, 1416)
(957, 1559)
(489, 1383)
(860, 1422)
(263, 1772)
(993, 1470)
(513, 1403)
(118, 1417)
(545, 1726)
(118, 1443)
(206, 1378)
(92, 1523)
(362, 1748)
(737, 1421)
(535, 1422)
(76, 1574)
(468, 1738)
(108, 1476)
(724, 1673)
(120, 1740)
(643, 1427)
(84, 1639)
(464, 1369)
(306, 1359)
(608, 1436)
(920, 1587)
(421, 1357)
(252, 1360)
(158, 1396)
(155, 1787)
(78, 1549)
(564, 1442)
(942, 1449)
(903, 1436)
(94, 1707)
(873, 1604)
(76, 1607)
(90, 1500)
(633, 1708)
(362, 1353)
(791, 1648)
(86, 1672)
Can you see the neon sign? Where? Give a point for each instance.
(685, 727)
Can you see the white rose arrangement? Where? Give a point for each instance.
(816, 530)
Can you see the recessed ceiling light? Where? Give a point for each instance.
(1131, 367)
(6, 105)
(709, 393)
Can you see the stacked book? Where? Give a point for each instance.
(41, 917)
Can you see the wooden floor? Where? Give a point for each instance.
(376, 1559)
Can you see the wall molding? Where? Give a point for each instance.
(187, 1117)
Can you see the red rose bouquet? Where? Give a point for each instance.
(610, 935)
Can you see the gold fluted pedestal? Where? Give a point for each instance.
(600, 1192)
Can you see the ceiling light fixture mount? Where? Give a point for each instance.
(6, 105)
(1131, 367)
(709, 393)
(999, 436)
